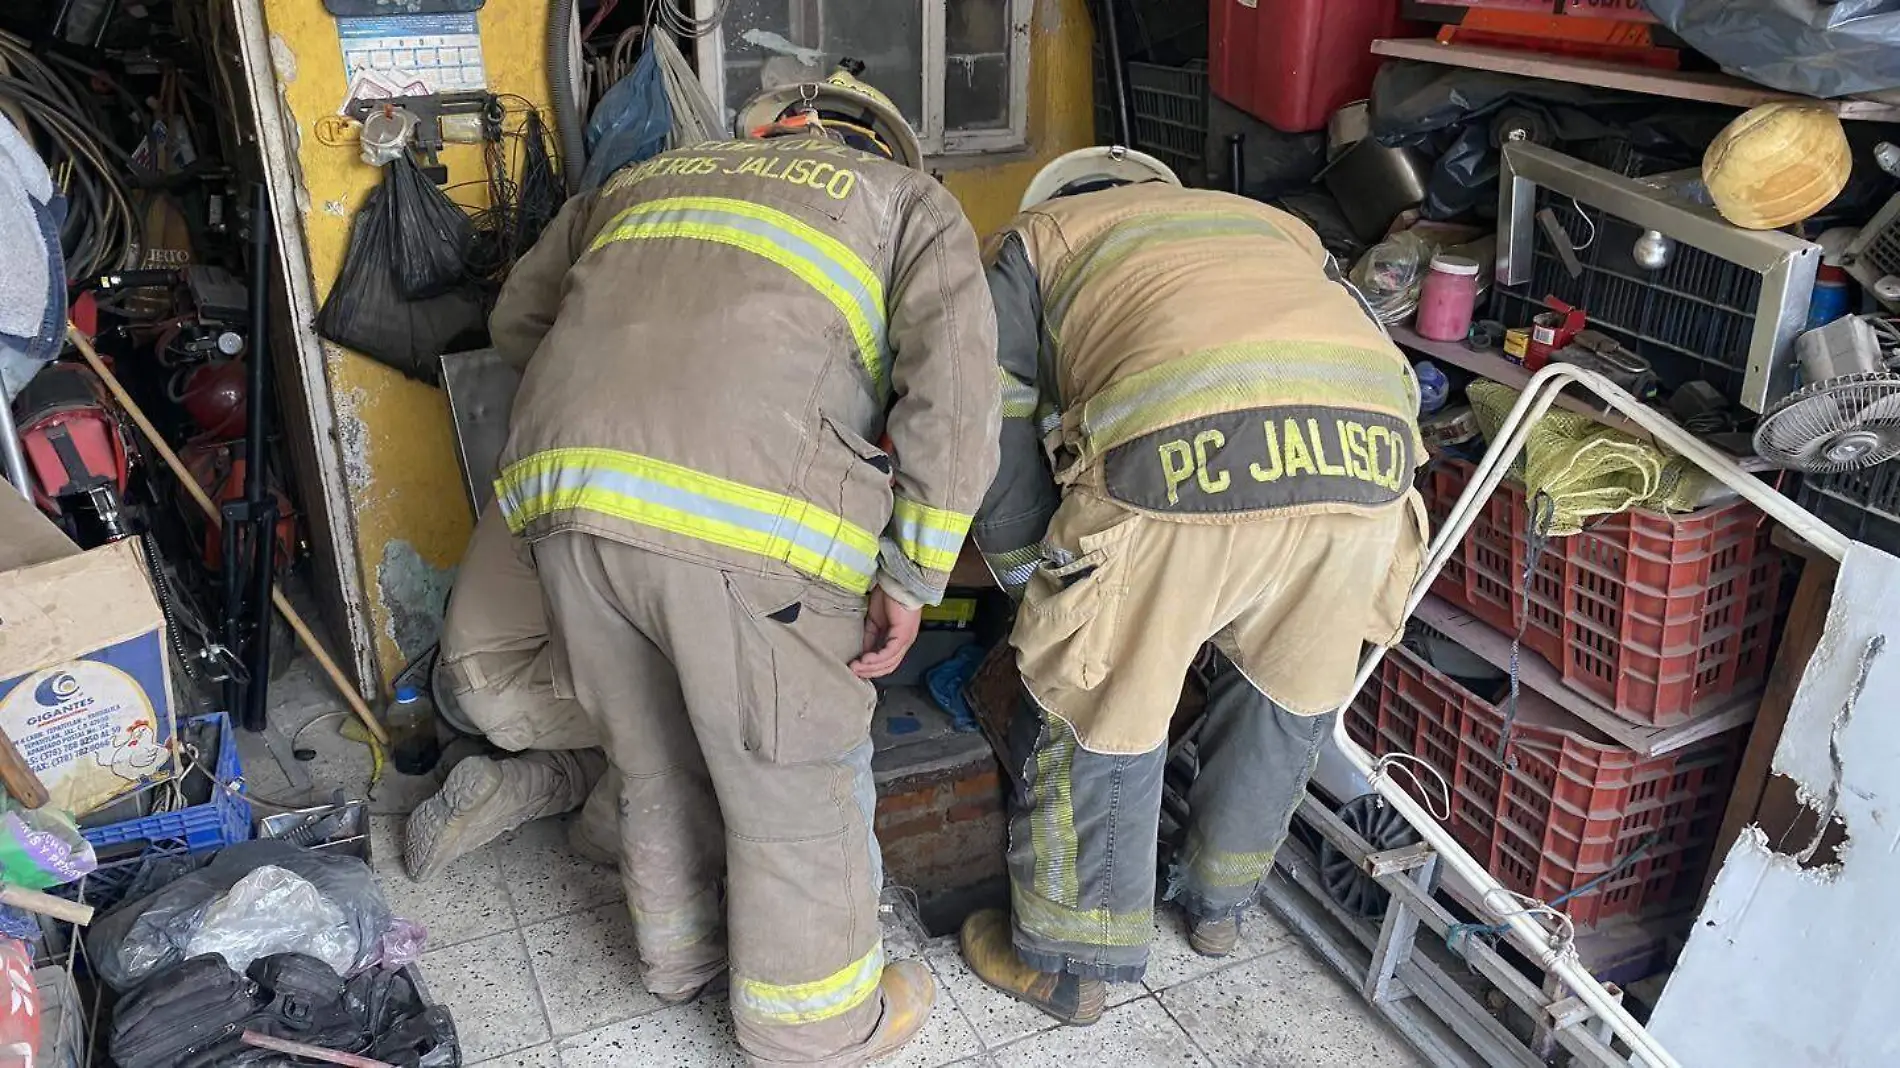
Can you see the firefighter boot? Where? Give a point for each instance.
(1214, 938)
(484, 798)
(991, 954)
(908, 992)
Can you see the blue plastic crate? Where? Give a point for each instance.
(224, 820)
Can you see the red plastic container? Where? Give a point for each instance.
(1658, 617)
(1566, 805)
(1292, 63)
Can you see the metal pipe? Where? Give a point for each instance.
(260, 504)
(1117, 75)
(1538, 396)
(1237, 164)
(11, 453)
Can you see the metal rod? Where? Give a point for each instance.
(1117, 75)
(10, 452)
(260, 504)
(1538, 396)
(1237, 164)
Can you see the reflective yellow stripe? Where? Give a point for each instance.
(1052, 816)
(816, 258)
(1019, 397)
(1087, 927)
(665, 496)
(1244, 375)
(931, 537)
(821, 999)
(1226, 870)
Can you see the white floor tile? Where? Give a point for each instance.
(997, 1018)
(546, 878)
(946, 1039)
(490, 989)
(1138, 1033)
(464, 901)
(588, 967)
(538, 1057)
(1286, 1009)
(1171, 961)
(698, 1035)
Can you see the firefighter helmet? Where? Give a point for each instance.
(841, 107)
(1088, 169)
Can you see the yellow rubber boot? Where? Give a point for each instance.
(991, 954)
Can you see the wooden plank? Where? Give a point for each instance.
(1537, 676)
(1679, 85)
(1807, 618)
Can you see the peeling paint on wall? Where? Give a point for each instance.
(1816, 944)
(414, 596)
(283, 59)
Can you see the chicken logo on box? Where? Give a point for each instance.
(87, 728)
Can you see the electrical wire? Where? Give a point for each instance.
(102, 232)
(673, 16)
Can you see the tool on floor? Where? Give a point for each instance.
(17, 776)
(309, 1052)
(284, 607)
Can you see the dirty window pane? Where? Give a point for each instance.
(776, 42)
(976, 64)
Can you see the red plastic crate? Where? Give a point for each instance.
(1658, 617)
(1565, 805)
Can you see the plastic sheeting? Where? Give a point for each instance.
(1797, 46)
(153, 932)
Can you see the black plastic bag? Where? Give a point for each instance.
(430, 233)
(365, 312)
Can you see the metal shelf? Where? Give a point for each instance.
(1498, 369)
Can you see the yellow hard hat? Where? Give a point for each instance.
(1776, 165)
(840, 103)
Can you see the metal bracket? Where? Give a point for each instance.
(1786, 263)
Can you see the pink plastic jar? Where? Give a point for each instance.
(1447, 298)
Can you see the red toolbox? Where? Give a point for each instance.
(1565, 805)
(1292, 63)
(1658, 617)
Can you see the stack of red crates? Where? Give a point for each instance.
(1659, 618)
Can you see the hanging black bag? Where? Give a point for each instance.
(430, 233)
(365, 312)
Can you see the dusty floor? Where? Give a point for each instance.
(532, 949)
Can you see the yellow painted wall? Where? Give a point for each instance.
(404, 483)
(398, 451)
(1061, 114)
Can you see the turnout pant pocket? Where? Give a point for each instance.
(794, 640)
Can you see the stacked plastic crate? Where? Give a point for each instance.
(1660, 620)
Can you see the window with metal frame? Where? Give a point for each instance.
(958, 69)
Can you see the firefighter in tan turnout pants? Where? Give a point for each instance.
(1205, 440)
(713, 344)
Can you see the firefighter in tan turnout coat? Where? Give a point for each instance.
(714, 344)
(1205, 440)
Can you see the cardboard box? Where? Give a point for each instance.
(85, 678)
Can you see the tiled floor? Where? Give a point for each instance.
(531, 948)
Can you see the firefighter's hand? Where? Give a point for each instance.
(889, 630)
